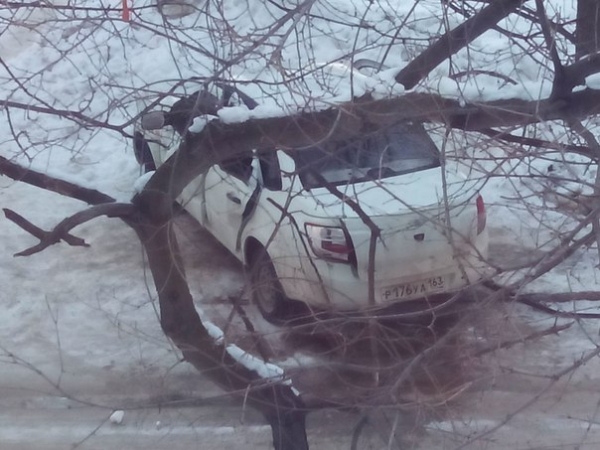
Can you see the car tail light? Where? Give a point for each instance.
(330, 243)
(481, 215)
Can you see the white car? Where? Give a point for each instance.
(341, 226)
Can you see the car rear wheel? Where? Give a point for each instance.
(267, 292)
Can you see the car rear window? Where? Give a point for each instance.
(396, 150)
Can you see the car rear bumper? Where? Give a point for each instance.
(352, 294)
(336, 287)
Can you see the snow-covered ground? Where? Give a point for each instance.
(79, 333)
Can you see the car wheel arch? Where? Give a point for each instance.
(251, 247)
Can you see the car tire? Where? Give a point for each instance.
(266, 290)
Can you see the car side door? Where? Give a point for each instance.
(229, 187)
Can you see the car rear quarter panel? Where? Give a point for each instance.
(280, 229)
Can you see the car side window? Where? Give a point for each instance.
(238, 167)
(270, 170)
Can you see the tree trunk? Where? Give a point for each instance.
(281, 406)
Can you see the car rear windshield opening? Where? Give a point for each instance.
(400, 149)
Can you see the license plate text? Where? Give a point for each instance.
(433, 284)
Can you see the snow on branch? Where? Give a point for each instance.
(219, 141)
(43, 236)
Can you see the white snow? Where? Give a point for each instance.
(593, 81)
(215, 332)
(266, 370)
(200, 122)
(140, 183)
(116, 418)
(234, 114)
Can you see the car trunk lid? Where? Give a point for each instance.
(410, 222)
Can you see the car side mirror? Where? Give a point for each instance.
(154, 120)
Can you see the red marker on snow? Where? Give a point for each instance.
(125, 11)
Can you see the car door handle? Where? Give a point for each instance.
(235, 199)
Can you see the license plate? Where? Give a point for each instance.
(416, 288)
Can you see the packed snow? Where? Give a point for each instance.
(140, 183)
(201, 121)
(593, 81)
(116, 417)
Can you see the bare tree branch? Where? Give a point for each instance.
(554, 329)
(568, 247)
(556, 313)
(561, 297)
(75, 116)
(62, 187)
(455, 40)
(491, 73)
(219, 141)
(42, 235)
(559, 86)
(539, 143)
(593, 143)
(61, 231)
(577, 72)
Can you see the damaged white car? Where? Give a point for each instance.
(341, 226)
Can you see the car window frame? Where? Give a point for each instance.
(271, 176)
